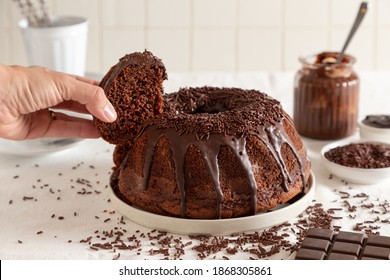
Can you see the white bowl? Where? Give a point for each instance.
(374, 133)
(364, 176)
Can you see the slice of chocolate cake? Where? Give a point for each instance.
(134, 87)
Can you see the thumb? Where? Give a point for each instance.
(92, 96)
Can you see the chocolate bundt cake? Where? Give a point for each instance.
(211, 153)
(134, 87)
(214, 153)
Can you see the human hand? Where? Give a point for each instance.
(28, 93)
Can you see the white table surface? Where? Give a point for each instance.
(36, 190)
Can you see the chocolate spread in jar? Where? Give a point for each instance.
(326, 97)
(378, 121)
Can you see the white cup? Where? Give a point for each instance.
(61, 47)
(374, 133)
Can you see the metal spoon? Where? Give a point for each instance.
(362, 12)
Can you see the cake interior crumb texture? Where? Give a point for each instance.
(134, 87)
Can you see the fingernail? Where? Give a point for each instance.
(110, 112)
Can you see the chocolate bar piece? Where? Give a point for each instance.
(324, 244)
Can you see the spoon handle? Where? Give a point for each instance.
(361, 13)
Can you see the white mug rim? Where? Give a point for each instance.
(65, 21)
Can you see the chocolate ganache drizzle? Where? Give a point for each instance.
(209, 118)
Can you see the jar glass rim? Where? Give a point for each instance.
(311, 60)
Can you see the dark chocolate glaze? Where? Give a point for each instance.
(209, 148)
(210, 117)
(379, 121)
(138, 59)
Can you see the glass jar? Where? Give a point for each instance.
(326, 97)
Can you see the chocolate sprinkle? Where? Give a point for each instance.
(379, 121)
(361, 155)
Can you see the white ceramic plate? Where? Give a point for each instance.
(36, 147)
(280, 215)
(362, 176)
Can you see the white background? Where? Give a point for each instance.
(216, 35)
(110, 269)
